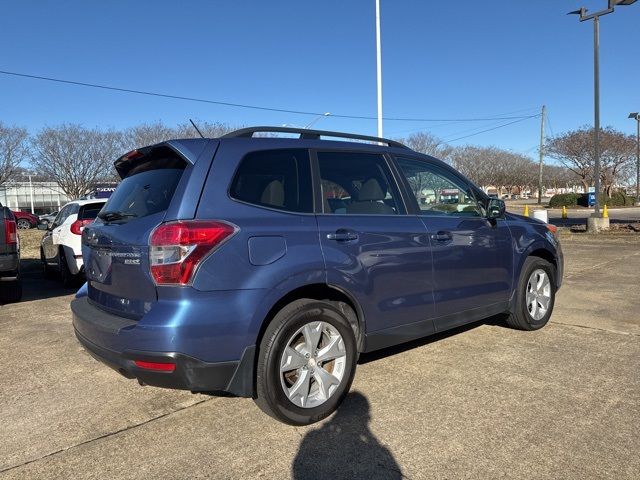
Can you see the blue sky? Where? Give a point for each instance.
(462, 59)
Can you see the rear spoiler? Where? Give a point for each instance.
(170, 154)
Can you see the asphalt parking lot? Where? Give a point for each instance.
(482, 402)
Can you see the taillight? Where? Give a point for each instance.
(177, 248)
(10, 232)
(78, 225)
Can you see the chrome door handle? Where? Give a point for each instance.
(342, 236)
(442, 237)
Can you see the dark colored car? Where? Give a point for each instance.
(262, 267)
(25, 220)
(47, 218)
(10, 283)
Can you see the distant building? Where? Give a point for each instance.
(47, 196)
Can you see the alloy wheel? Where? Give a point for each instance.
(313, 364)
(538, 296)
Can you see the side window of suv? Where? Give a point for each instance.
(65, 213)
(355, 183)
(436, 191)
(278, 179)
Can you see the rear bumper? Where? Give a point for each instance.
(235, 377)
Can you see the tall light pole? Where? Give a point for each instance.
(596, 84)
(636, 116)
(379, 67)
(31, 193)
(544, 110)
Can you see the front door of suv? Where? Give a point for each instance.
(472, 256)
(372, 248)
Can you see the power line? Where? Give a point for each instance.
(450, 122)
(494, 128)
(473, 129)
(253, 107)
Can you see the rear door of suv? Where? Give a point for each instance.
(371, 247)
(159, 183)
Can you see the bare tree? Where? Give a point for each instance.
(147, 134)
(575, 150)
(208, 129)
(75, 157)
(157, 132)
(13, 150)
(428, 144)
(618, 156)
(557, 176)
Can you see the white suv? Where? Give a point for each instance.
(61, 246)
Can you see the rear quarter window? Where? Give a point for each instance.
(279, 179)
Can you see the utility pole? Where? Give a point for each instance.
(544, 111)
(379, 67)
(636, 117)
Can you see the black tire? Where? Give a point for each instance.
(11, 292)
(521, 318)
(66, 277)
(271, 397)
(23, 224)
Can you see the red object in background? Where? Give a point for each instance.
(33, 220)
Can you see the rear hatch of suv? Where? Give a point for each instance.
(159, 183)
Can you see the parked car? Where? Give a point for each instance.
(262, 267)
(61, 248)
(10, 283)
(25, 220)
(47, 218)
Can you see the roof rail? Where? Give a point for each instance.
(309, 134)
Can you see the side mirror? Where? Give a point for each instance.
(495, 208)
(43, 226)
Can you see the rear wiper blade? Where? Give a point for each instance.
(111, 216)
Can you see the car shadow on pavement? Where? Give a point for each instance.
(345, 448)
(35, 286)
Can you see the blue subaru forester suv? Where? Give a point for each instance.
(263, 266)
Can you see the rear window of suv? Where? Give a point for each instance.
(279, 179)
(149, 186)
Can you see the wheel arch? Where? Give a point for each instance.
(545, 255)
(320, 291)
